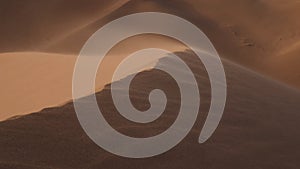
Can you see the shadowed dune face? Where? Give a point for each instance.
(259, 128)
(31, 25)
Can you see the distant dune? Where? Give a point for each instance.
(251, 33)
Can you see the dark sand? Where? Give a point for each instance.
(260, 125)
(259, 128)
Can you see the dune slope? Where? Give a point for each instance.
(259, 128)
(31, 81)
(251, 33)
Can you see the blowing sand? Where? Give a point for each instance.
(259, 128)
(31, 81)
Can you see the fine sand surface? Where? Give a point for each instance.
(258, 40)
(251, 33)
(259, 128)
(261, 35)
(31, 81)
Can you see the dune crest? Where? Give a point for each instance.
(260, 120)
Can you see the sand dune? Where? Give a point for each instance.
(247, 32)
(46, 22)
(257, 39)
(259, 128)
(31, 81)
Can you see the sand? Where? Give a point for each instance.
(259, 128)
(32, 81)
(250, 33)
(258, 41)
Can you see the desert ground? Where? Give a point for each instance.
(258, 41)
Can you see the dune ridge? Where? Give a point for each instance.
(34, 80)
(252, 133)
(250, 33)
(257, 40)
